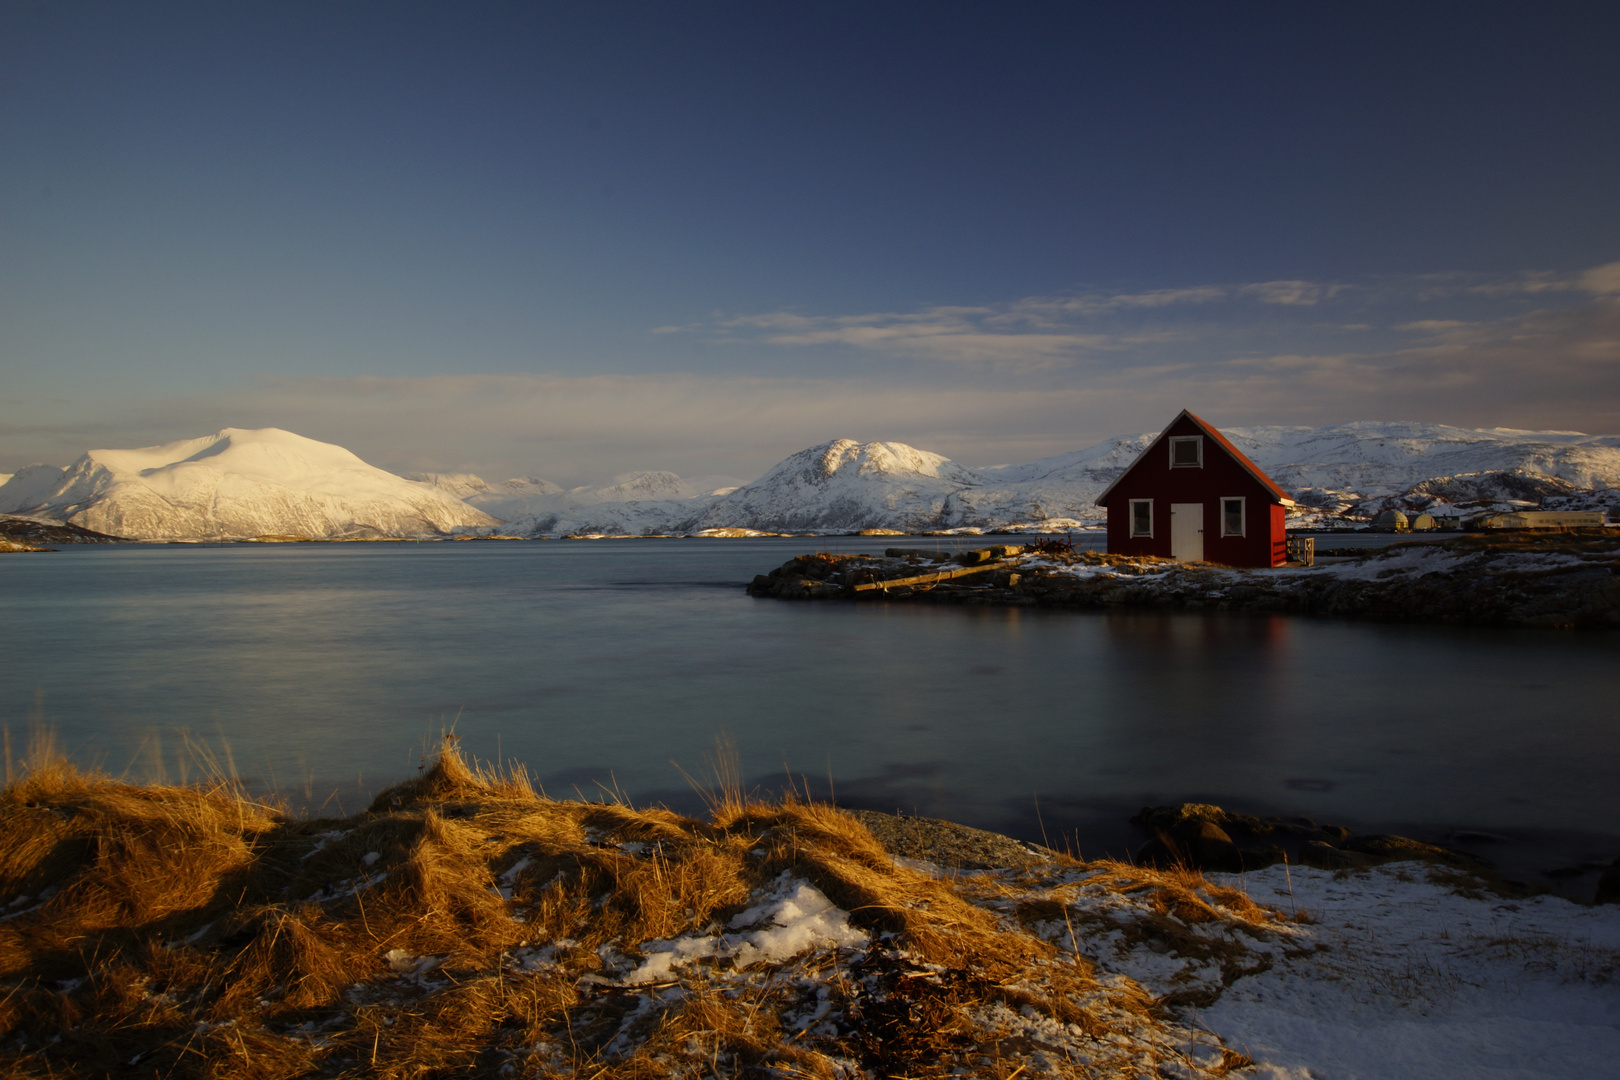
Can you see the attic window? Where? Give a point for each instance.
(1187, 452)
(1232, 517)
(1142, 517)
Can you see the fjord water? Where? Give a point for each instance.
(326, 668)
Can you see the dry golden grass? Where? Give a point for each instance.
(466, 925)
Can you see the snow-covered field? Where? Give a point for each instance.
(1421, 979)
(1398, 972)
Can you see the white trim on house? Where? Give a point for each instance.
(1134, 504)
(1253, 469)
(1178, 441)
(1243, 514)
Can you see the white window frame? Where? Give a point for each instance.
(1196, 440)
(1134, 503)
(1243, 514)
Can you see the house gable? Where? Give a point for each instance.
(1276, 493)
(1193, 495)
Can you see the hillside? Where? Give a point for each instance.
(246, 483)
(238, 483)
(635, 503)
(1348, 472)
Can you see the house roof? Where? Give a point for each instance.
(1277, 493)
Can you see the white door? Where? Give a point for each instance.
(1187, 532)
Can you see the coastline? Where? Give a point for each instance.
(464, 921)
(1534, 580)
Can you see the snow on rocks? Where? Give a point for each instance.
(1554, 581)
(790, 917)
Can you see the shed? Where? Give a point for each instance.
(1192, 495)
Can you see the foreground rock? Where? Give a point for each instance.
(1516, 580)
(1206, 837)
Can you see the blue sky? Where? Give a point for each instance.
(568, 241)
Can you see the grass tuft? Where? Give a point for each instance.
(466, 924)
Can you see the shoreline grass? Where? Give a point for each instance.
(466, 924)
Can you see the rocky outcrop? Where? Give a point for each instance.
(1547, 581)
(1608, 887)
(24, 530)
(1206, 837)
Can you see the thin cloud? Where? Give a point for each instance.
(1292, 293)
(1031, 333)
(992, 383)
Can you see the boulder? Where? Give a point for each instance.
(1608, 886)
(1324, 856)
(1200, 845)
(1384, 847)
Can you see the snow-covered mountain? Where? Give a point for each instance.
(503, 499)
(1386, 458)
(1355, 470)
(247, 483)
(844, 485)
(237, 483)
(1349, 469)
(636, 503)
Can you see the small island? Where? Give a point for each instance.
(1562, 580)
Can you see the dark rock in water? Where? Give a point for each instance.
(1608, 887)
(1201, 845)
(1208, 846)
(1324, 856)
(1384, 847)
(1208, 837)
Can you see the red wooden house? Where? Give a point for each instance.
(1194, 496)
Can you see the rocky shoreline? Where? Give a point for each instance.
(1207, 838)
(1555, 581)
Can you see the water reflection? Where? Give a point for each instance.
(328, 666)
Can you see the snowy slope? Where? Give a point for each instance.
(234, 484)
(844, 485)
(248, 483)
(504, 499)
(1358, 467)
(1387, 458)
(636, 503)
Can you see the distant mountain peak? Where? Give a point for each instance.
(239, 482)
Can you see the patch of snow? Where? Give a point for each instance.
(1417, 981)
(791, 915)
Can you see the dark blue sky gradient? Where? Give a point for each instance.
(194, 195)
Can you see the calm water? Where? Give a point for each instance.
(325, 668)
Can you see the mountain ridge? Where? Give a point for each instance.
(235, 484)
(242, 483)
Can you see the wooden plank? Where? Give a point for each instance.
(929, 579)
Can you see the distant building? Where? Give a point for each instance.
(1392, 521)
(1424, 522)
(1544, 519)
(1192, 495)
